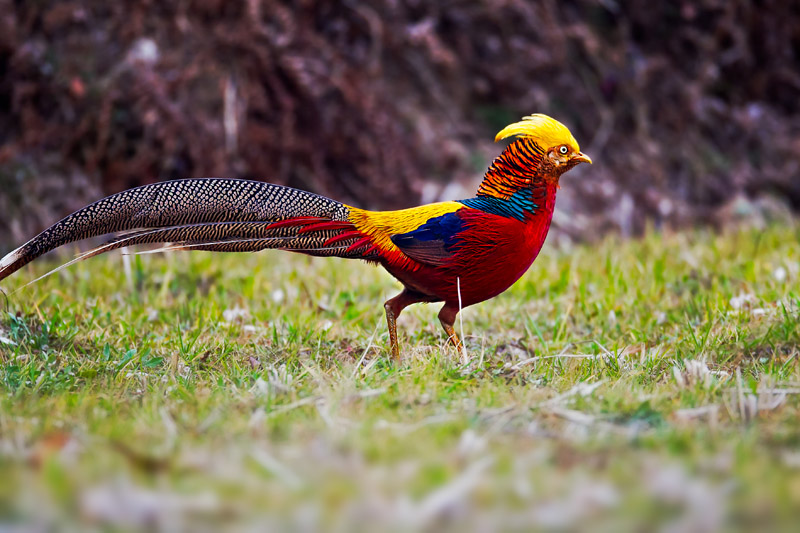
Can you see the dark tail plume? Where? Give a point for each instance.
(205, 214)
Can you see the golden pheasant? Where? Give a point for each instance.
(460, 252)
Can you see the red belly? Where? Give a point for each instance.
(494, 252)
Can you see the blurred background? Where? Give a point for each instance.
(211, 390)
(690, 109)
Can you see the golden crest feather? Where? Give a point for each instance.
(543, 130)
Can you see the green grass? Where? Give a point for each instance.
(644, 384)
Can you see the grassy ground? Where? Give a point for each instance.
(651, 384)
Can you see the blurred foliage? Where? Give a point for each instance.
(686, 107)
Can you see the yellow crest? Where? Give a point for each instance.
(543, 130)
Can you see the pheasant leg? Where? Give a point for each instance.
(393, 308)
(447, 316)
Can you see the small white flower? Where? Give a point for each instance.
(278, 296)
(737, 302)
(235, 314)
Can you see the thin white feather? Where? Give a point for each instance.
(9, 259)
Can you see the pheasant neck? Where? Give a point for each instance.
(517, 183)
(518, 167)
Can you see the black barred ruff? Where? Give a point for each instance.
(516, 169)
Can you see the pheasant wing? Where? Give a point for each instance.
(435, 242)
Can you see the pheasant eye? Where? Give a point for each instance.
(563, 150)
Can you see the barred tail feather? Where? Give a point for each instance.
(205, 214)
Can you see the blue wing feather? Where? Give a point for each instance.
(434, 242)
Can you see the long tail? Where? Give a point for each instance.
(226, 215)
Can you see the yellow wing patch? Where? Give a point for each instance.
(545, 131)
(381, 225)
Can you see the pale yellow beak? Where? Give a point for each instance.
(580, 157)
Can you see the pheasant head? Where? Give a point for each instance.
(543, 150)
